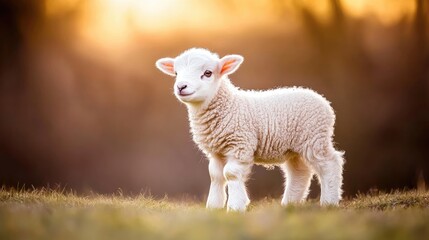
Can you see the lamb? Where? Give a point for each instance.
(288, 127)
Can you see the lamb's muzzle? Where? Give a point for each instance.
(289, 127)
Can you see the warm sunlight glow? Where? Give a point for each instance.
(386, 11)
(54, 7)
(106, 22)
(112, 24)
(150, 14)
(320, 8)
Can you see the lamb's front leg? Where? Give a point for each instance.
(236, 173)
(217, 194)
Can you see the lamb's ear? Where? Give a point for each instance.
(229, 64)
(166, 65)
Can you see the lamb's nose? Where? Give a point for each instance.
(181, 87)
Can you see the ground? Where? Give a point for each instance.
(55, 214)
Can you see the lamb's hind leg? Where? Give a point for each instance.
(297, 179)
(328, 165)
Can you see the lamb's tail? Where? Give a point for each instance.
(322, 149)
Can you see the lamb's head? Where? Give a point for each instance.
(198, 73)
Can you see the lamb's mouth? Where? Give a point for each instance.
(185, 94)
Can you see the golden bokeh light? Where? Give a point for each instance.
(111, 24)
(54, 7)
(387, 11)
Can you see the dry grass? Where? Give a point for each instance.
(53, 214)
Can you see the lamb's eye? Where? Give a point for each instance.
(175, 73)
(208, 73)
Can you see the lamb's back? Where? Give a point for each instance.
(287, 119)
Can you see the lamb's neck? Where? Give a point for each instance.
(208, 122)
(220, 103)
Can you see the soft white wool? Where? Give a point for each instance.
(289, 127)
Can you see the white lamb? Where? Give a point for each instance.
(288, 127)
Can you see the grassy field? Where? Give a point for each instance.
(52, 214)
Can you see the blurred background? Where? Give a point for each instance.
(83, 106)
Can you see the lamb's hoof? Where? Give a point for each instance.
(287, 202)
(330, 202)
(239, 206)
(239, 209)
(214, 206)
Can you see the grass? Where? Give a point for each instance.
(53, 214)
